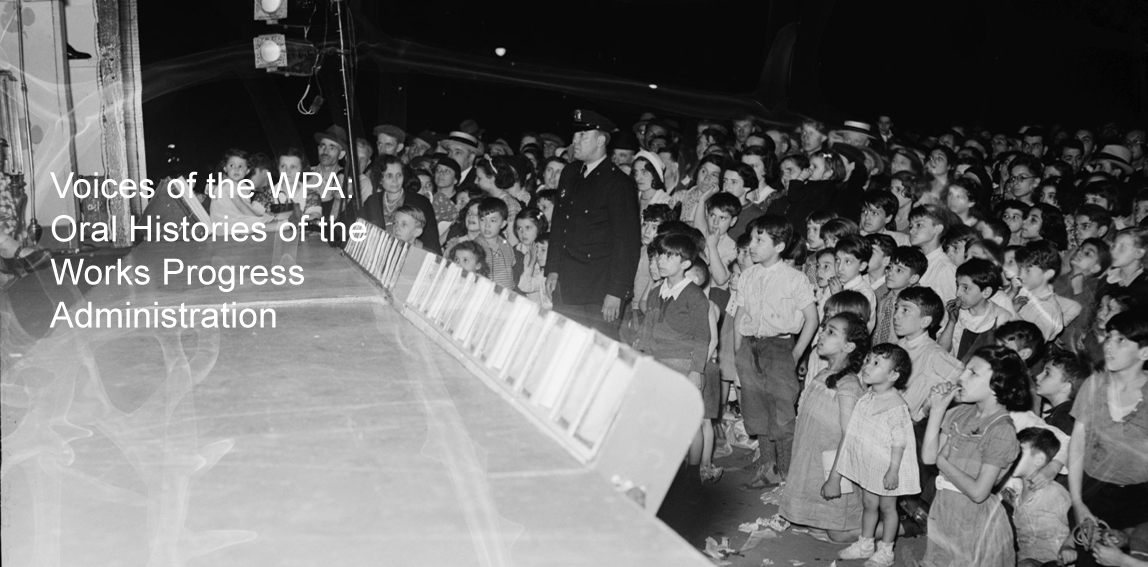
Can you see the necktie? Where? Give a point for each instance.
(583, 170)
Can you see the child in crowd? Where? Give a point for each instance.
(994, 230)
(1039, 263)
(915, 321)
(1012, 212)
(532, 282)
(471, 227)
(652, 218)
(973, 445)
(675, 326)
(847, 301)
(972, 315)
(957, 241)
(722, 210)
(929, 224)
(1040, 515)
(1108, 462)
(826, 272)
(1113, 301)
(775, 304)
(813, 240)
(824, 411)
(851, 255)
(527, 226)
(878, 453)
(1026, 339)
(544, 201)
(835, 229)
(1091, 221)
(1057, 384)
(699, 272)
(1129, 256)
(500, 255)
(408, 225)
(906, 265)
(1080, 283)
(883, 246)
(471, 256)
(878, 209)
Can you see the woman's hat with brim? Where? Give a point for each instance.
(1120, 156)
(659, 165)
(336, 134)
(449, 163)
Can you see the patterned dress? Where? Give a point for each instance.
(963, 532)
(818, 431)
(879, 424)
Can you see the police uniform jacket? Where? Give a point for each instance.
(595, 238)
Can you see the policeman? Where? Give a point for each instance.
(595, 238)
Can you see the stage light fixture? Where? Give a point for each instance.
(279, 54)
(285, 12)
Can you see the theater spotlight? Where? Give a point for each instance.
(285, 12)
(278, 54)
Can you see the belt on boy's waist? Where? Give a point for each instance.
(757, 338)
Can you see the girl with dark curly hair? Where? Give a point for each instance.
(973, 446)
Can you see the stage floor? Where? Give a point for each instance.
(343, 436)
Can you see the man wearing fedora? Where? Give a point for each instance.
(325, 200)
(595, 237)
(856, 134)
(463, 149)
(1113, 159)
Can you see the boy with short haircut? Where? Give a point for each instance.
(1081, 282)
(994, 230)
(1012, 212)
(906, 265)
(928, 224)
(852, 254)
(722, 211)
(676, 330)
(1026, 340)
(500, 257)
(1058, 384)
(1039, 263)
(408, 225)
(883, 247)
(917, 317)
(972, 315)
(775, 304)
(957, 241)
(878, 208)
(1089, 221)
(1040, 515)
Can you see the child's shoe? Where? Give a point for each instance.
(883, 557)
(711, 474)
(861, 549)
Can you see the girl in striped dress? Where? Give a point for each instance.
(878, 453)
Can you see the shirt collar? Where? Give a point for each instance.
(591, 165)
(935, 255)
(668, 292)
(856, 283)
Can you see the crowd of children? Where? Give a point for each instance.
(944, 334)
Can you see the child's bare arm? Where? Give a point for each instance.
(976, 488)
(892, 479)
(807, 330)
